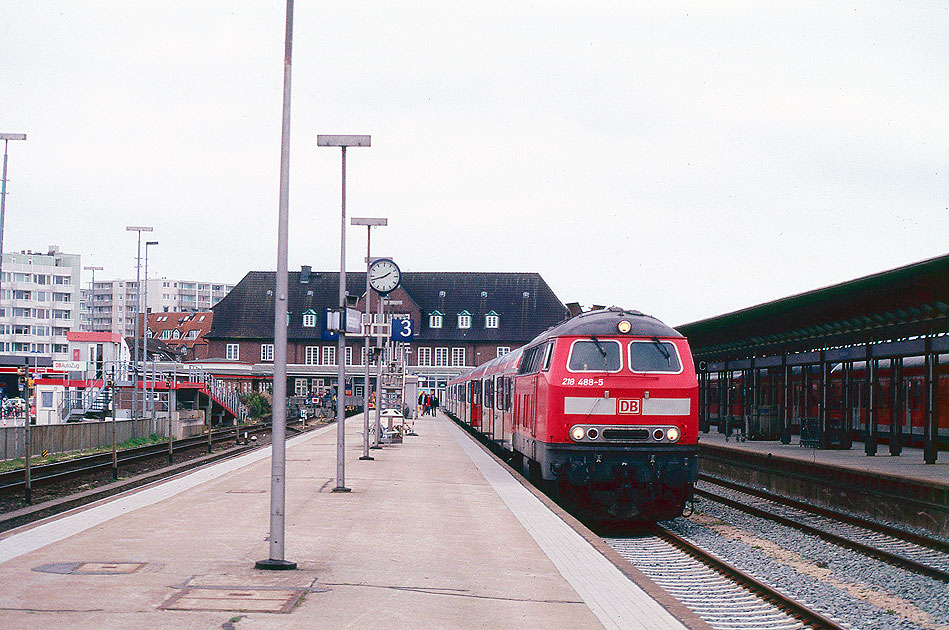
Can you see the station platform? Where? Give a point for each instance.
(435, 533)
(908, 465)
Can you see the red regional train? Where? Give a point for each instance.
(602, 408)
(730, 402)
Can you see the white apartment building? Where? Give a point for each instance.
(113, 304)
(39, 302)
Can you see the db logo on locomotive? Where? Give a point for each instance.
(630, 406)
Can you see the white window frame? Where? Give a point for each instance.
(328, 355)
(502, 350)
(311, 355)
(425, 357)
(266, 352)
(434, 321)
(232, 352)
(441, 357)
(458, 357)
(492, 321)
(464, 320)
(300, 387)
(309, 320)
(349, 355)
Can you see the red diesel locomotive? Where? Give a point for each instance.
(603, 408)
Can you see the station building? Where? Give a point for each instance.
(459, 320)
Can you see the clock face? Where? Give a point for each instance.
(384, 275)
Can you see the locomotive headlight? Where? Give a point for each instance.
(577, 433)
(672, 434)
(624, 326)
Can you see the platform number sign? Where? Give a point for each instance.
(632, 406)
(402, 330)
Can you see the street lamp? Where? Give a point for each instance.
(92, 297)
(6, 137)
(278, 427)
(368, 222)
(145, 328)
(342, 142)
(138, 300)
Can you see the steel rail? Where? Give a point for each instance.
(843, 541)
(794, 608)
(889, 530)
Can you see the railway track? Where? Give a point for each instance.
(57, 472)
(914, 552)
(723, 596)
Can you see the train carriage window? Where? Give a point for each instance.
(654, 356)
(488, 393)
(499, 392)
(547, 355)
(531, 359)
(594, 355)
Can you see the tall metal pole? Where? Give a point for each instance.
(3, 182)
(379, 359)
(150, 402)
(368, 311)
(341, 352)
(92, 296)
(138, 307)
(278, 468)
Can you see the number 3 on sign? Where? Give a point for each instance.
(402, 330)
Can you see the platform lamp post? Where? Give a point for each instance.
(278, 460)
(368, 222)
(138, 300)
(342, 142)
(6, 137)
(150, 402)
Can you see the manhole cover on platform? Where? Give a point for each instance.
(234, 600)
(91, 568)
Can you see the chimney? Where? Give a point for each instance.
(573, 308)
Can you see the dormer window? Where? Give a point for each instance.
(309, 319)
(464, 319)
(176, 334)
(492, 320)
(435, 319)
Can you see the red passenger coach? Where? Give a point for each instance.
(604, 407)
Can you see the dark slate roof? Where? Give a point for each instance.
(523, 302)
(904, 302)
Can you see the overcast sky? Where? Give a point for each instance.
(684, 159)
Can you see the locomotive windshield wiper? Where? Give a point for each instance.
(598, 346)
(663, 350)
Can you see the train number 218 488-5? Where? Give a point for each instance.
(583, 382)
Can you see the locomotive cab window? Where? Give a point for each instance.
(594, 355)
(654, 356)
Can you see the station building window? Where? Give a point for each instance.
(441, 357)
(424, 356)
(464, 319)
(232, 351)
(502, 350)
(266, 352)
(349, 355)
(492, 320)
(329, 355)
(457, 356)
(434, 319)
(309, 319)
(300, 386)
(311, 355)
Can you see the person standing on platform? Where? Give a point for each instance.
(434, 404)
